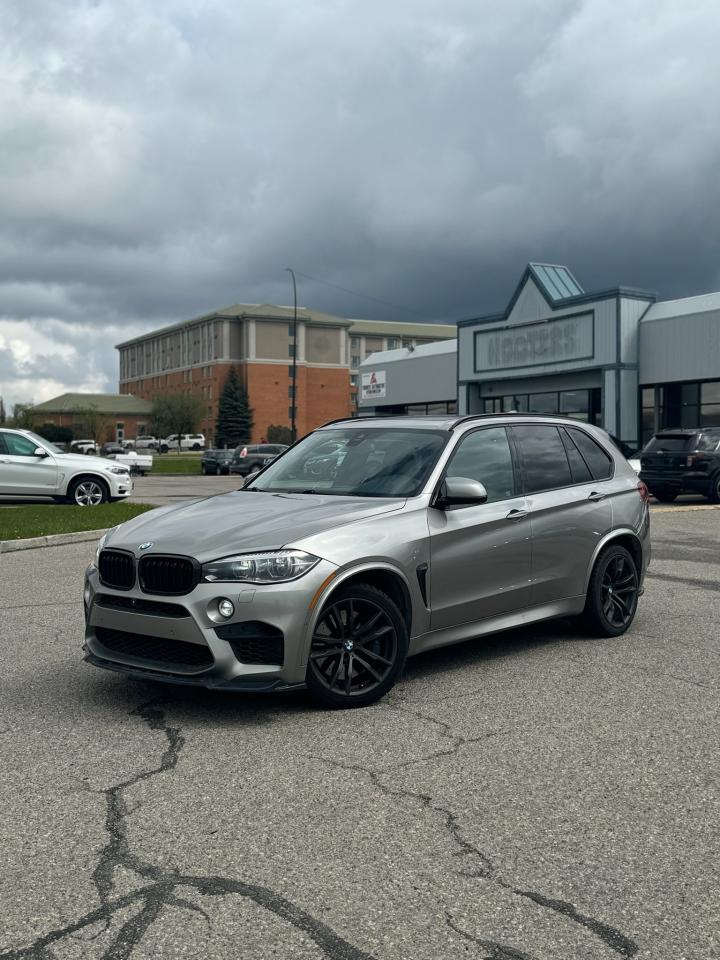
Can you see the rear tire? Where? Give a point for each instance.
(358, 649)
(714, 494)
(664, 496)
(612, 596)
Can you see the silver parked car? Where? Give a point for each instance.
(426, 532)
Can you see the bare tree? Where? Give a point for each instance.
(94, 424)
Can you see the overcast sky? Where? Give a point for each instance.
(162, 159)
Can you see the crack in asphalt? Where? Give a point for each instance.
(160, 892)
(498, 951)
(486, 869)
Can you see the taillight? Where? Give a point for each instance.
(643, 491)
(243, 452)
(694, 458)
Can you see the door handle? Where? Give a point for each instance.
(516, 515)
(596, 496)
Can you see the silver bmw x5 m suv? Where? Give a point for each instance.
(368, 541)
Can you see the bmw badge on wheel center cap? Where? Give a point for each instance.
(146, 546)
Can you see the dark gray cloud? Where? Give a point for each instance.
(160, 160)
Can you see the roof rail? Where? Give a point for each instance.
(512, 413)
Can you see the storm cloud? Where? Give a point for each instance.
(160, 160)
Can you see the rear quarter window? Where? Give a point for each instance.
(598, 461)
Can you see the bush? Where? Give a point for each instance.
(278, 434)
(55, 434)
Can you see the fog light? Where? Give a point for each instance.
(226, 608)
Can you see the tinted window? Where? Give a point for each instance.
(3, 448)
(593, 454)
(485, 456)
(672, 444)
(545, 463)
(579, 469)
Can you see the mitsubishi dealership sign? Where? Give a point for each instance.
(534, 344)
(373, 385)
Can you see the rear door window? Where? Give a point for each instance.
(545, 463)
(598, 461)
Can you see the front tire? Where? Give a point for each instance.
(613, 592)
(358, 649)
(88, 492)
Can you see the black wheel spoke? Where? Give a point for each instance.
(367, 652)
(366, 666)
(336, 674)
(362, 641)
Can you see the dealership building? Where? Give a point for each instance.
(618, 358)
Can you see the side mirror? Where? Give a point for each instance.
(460, 491)
(40, 452)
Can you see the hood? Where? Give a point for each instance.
(83, 460)
(243, 521)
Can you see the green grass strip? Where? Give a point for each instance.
(41, 520)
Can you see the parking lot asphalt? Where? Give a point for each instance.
(532, 796)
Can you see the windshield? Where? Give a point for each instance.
(41, 441)
(373, 462)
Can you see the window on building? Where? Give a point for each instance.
(290, 369)
(291, 392)
(354, 343)
(545, 463)
(355, 361)
(543, 403)
(291, 349)
(290, 413)
(392, 343)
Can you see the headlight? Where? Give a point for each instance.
(117, 469)
(101, 543)
(277, 566)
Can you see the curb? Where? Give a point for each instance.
(53, 540)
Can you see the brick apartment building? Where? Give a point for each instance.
(195, 356)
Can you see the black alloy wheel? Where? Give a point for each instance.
(358, 648)
(613, 593)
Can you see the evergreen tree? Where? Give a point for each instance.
(234, 421)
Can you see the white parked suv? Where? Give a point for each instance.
(32, 467)
(188, 441)
(144, 442)
(84, 446)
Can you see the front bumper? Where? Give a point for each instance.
(176, 639)
(121, 485)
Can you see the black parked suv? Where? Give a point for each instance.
(214, 462)
(682, 461)
(250, 459)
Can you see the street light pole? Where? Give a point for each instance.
(293, 429)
